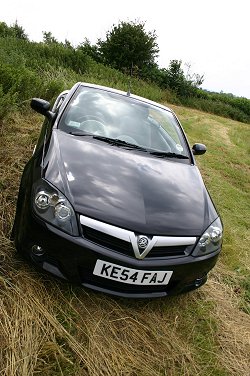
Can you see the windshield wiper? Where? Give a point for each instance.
(118, 142)
(80, 133)
(109, 140)
(162, 154)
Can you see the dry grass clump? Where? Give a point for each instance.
(49, 327)
(29, 326)
(127, 338)
(233, 324)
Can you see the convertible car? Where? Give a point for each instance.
(112, 198)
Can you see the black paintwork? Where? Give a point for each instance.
(117, 185)
(129, 188)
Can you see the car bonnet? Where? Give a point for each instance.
(128, 188)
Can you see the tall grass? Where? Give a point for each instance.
(38, 69)
(218, 105)
(29, 69)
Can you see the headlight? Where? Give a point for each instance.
(211, 239)
(51, 205)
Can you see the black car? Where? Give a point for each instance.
(112, 197)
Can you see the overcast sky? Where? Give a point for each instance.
(212, 35)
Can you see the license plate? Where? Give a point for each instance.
(132, 276)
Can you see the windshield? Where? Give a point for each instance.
(102, 113)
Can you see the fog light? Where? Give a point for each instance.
(198, 282)
(37, 250)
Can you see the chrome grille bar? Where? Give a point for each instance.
(130, 237)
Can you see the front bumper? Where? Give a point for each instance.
(74, 259)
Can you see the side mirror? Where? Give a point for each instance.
(42, 107)
(199, 149)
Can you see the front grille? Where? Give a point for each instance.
(178, 250)
(121, 246)
(108, 241)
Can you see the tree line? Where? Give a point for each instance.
(127, 48)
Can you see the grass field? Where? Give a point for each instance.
(48, 327)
